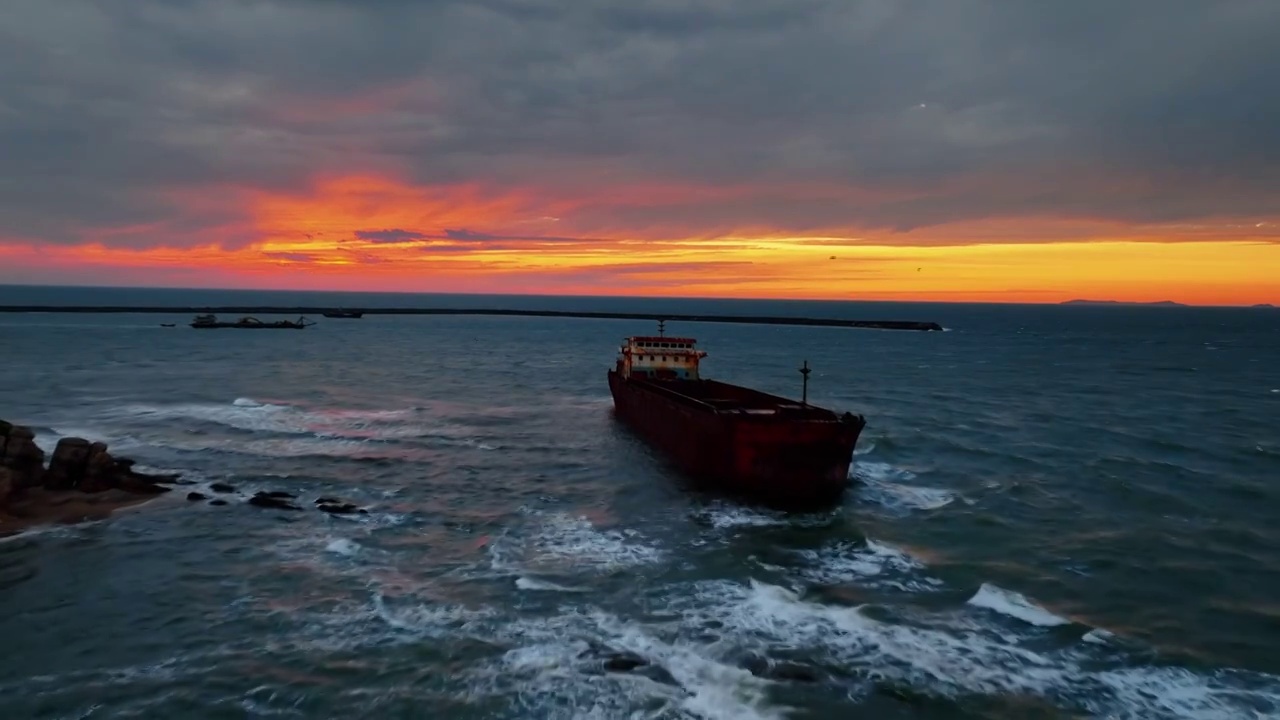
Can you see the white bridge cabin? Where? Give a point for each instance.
(657, 357)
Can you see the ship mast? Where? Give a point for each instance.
(804, 398)
(662, 326)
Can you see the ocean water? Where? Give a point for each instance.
(1054, 512)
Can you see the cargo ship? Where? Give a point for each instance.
(206, 322)
(728, 437)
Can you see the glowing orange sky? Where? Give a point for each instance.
(379, 233)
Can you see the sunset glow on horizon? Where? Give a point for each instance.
(450, 171)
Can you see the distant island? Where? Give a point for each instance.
(1162, 303)
(1264, 305)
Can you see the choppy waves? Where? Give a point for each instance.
(459, 595)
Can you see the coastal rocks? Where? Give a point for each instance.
(20, 454)
(334, 506)
(68, 465)
(273, 500)
(603, 659)
(6, 485)
(281, 500)
(83, 481)
(80, 465)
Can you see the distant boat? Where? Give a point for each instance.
(352, 314)
(203, 322)
(167, 324)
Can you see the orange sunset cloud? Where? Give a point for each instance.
(366, 232)
(778, 149)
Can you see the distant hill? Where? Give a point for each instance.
(1264, 305)
(1163, 303)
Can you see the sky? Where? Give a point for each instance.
(938, 150)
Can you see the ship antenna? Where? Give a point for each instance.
(804, 398)
(662, 327)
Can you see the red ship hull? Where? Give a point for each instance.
(740, 440)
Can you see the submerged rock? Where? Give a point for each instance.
(218, 502)
(194, 496)
(624, 661)
(280, 494)
(763, 667)
(266, 500)
(219, 487)
(342, 509)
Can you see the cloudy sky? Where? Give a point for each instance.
(904, 149)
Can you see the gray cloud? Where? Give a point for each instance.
(905, 113)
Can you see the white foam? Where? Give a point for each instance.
(1008, 602)
(563, 538)
(531, 583)
(960, 661)
(1146, 692)
(343, 546)
(549, 668)
(729, 516)
(883, 484)
(435, 620)
(873, 564)
(338, 424)
(1098, 636)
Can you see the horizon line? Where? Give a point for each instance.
(1074, 301)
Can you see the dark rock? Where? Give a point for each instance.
(343, 509)
(6, 486)
(68, 465)
(328, 501)
(99, 470)
(624, 661)
(218, 502)
(193, 496)
(763, 667)
(267, 501)
(22, 456)
(222, 488)
(278, 494)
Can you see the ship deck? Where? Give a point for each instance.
(727, 398)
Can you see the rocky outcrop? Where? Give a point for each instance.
(83, 480)
(6, 486)
(20, 454)
(78, 464)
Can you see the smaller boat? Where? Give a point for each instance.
(167, 324)
(202, 322)
(351, 314)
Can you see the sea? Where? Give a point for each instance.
(1054, 512)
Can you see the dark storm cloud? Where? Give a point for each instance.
(1138, 111)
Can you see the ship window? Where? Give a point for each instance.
(664, 358)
